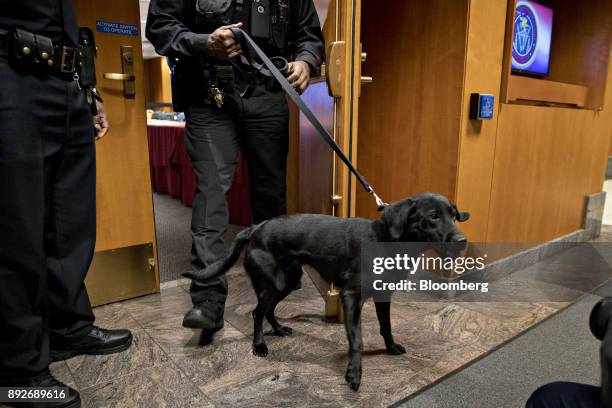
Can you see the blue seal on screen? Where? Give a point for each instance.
(525, 35)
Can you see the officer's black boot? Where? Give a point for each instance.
(207, 315)
(98, 341)
(72, 398)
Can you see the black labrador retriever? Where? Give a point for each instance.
(277, 248)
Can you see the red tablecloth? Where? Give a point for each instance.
(172, 174)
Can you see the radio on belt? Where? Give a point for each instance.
(260, 19)
(482, 106)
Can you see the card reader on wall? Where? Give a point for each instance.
(482, 106)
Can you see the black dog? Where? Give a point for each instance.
(276, 250)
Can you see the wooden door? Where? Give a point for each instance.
(324, 183)
(124, 262)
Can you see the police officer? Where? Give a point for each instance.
(47, 195)
(564, 394)
(230, 108)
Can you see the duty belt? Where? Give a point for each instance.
(40, 52)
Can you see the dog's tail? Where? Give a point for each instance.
(224, 264)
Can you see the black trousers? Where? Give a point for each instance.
(565, 395)
(47, 218)
(257, 126)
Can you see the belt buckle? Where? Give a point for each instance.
(68, 60)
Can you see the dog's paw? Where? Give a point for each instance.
(189, 275)
(353, 378)
(260, 350)
(283, 331)
(396, 350)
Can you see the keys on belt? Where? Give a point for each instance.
(217, 95)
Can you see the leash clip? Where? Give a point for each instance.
(381, 204)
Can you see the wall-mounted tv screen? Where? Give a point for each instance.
(531, 40)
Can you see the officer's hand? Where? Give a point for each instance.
(222, 44)
(100, 121)
(299, 75)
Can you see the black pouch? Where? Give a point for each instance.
(45, 51)
(23, 48)
(31, 51)
(88, 58)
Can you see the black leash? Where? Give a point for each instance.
(268, 68)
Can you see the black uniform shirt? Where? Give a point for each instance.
(171, 30)
(51, 18)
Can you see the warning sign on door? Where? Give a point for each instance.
(116, 28)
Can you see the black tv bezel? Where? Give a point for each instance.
(526, 72)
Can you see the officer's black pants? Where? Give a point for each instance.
(47, 218)
(565, 395)
(257, 126)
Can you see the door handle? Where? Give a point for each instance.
(118, 77)
(335, 68)
(367, 79)
(127, 76)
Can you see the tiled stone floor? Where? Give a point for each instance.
(168, 367)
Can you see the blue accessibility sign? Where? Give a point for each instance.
(116, 28)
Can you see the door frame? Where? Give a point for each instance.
(348, 31)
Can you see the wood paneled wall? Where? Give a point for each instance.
(523, 175)
(546, 161)
(409, 117)
(483, 71)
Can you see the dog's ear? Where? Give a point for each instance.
(395, 217)
(461, 216)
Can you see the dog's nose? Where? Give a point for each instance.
(457, 236)
(458, 241)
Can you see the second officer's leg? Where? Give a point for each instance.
(70, 229)
(70, 234)
(266, 145)
(211, 138)
(24, 341)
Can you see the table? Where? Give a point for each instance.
(172, 173)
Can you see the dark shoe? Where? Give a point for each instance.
(46, 380)
(97, 342)
(206, 316)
